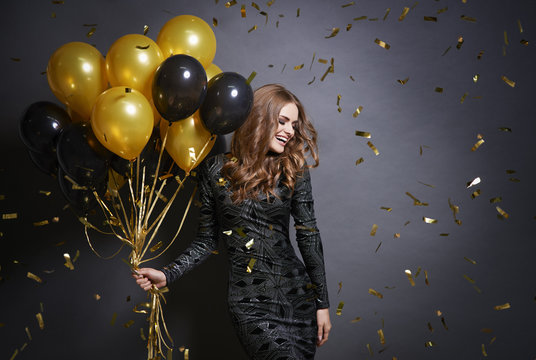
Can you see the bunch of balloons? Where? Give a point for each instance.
(119, 106)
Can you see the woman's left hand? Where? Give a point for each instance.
(324, 326)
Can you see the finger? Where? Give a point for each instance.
(320, 333)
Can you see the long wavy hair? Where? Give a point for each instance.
(254, 168)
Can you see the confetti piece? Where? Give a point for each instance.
(228, 232)
(410, 277)
(493, 340)
(475, 193)
(360, 18)
(357, 319)
(370, 350)
(524, 42)
(438, 89)
(383, 44)
(375, 293)
(249, 244)
(376, 152)
(323, 61)
(468, 279)
(403, 82)
(28, 333)
(97, 297)
(157, 246)
(508, 81)
(44, 192)
(486, 330)
(334, 32)
(442, 10)
(357, 111)
(425, 184)
(373, 230)
(255, 6)
(495, 200)
(460, 42)
(348, 27)
(506, 42)
(463, 98)
(479, 56)
(470, 260)
(251, 77)
(502, 212)
(362, 134)
(253, 28)
(468, 18)
(142, 335)
(91, 32)
(339, 308)
(430, 327)
(446, 51)
(429, 344)
(40, 320)
(34, 277)
(330, 69)
(476, 77)
(373, 19)
(382, 337)
(475, 181)
(41, 223)
(9, 216)
(128, 324)
(349, 4)
(444, 323)
(359, 161)
(114, 318)
(228, 4)
(312, 81)
(14, 354)
(378, 247)
(502, 307)
(388, 209)
(68, 264)
(484, 351)
(298, 12)
(429, 220)
(214, 22)
(396, 235)
(243, 11)
(430, 18)
(416, 202)
(404, 13)
(250, 265)
(145, 29)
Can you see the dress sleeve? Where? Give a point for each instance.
(206, 240)
(308, 237)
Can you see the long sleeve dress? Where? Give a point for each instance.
(272, 295)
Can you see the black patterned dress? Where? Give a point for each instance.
(273, 296)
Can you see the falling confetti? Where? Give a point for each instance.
(334, 32)
(375, 293)
(357, 111)
(339, 308)
(508, 81)
(502, 307)
(404, 13)
(374, 149)
(383, 44)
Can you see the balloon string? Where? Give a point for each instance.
(107, 214)
(95, 251)
(122, 206)
(178, 231)
(197, 160)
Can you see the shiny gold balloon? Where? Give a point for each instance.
(76, 74)
(212, 70)
(185, 141)
(190, 35)
(132, 61)
(122, 120)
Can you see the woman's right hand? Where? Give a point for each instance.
(146, 277)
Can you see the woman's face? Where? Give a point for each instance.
(287, 121)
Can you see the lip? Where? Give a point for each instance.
(283, 143)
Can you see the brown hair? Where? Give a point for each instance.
(256, 169)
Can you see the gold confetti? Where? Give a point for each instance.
(438, 89)
(251, 77)
(476, 77)
(502, 212)
(375, 293)
(467, 18)
(382, 337)
(430, 18)
(28, 333)
(253, 28)
(387, 11)
(142, 335)
(470, 260)
(486, 330)
(323, 61)
(502, 307)
(243, 11)
(403, 82)
(339, 308)
(373, 230)
(484, 351)
(255, 6)
(493, 340)
(388, 209)
(334, 32)
(145, 29)
(508, 81)
(34, 277)
(510, 171)
(312, 81)
(468, 279)
(298, 12)
(9, 216)
(383, 44)
(298, 67)
(214, 22)
(524, 42)
(359, 161)
(114, 318)
(40, 320)
(429, 344)
(14, 354)
(349, 4)
(360, 18)
(249, 244)
(442, 10)
(228, 4)
(44, 192)
(463, 98)
(157, 246)
(444, 323)
(444, 234)
(479, 56)
(97, 297)
(376, 152)
(495, 200)
(430, 327)
(404, 13)
(396, 235)
(240, 231)
(429, 220)
(460, 42)
(506, 38)
(475, 193)
(362, 134)
(357, 111)
(378, 247)
(357, 319)
(373, 19)
(41, 223)
(348, 27)
(416, 202)
(425, 184)
(475, 181)
(410, 277)
(68, 264)
(330, 69)
(128, 324)
(250, 265)
(370, 350)
(91, 32)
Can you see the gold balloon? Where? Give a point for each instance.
(122, 120)
(190, 35)
(212, 70)
(132, 61)
(76, 74)
(185, 141)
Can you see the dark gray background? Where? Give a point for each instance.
(401, 119)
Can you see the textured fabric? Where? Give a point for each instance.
(273, 306)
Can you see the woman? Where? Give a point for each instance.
(279, 305)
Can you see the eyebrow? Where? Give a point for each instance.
(283, 116)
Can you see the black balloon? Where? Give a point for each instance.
(46, 162)
(41, 124)
(179, 87)
(227, 104)
(148, 159)
(80, 199)
(81, 155)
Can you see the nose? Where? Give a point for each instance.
(289, 129)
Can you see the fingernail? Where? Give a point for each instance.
(319, 338)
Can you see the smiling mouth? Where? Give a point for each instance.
(283, 140)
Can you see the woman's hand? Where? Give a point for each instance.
(146, 277)
(324, 326)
